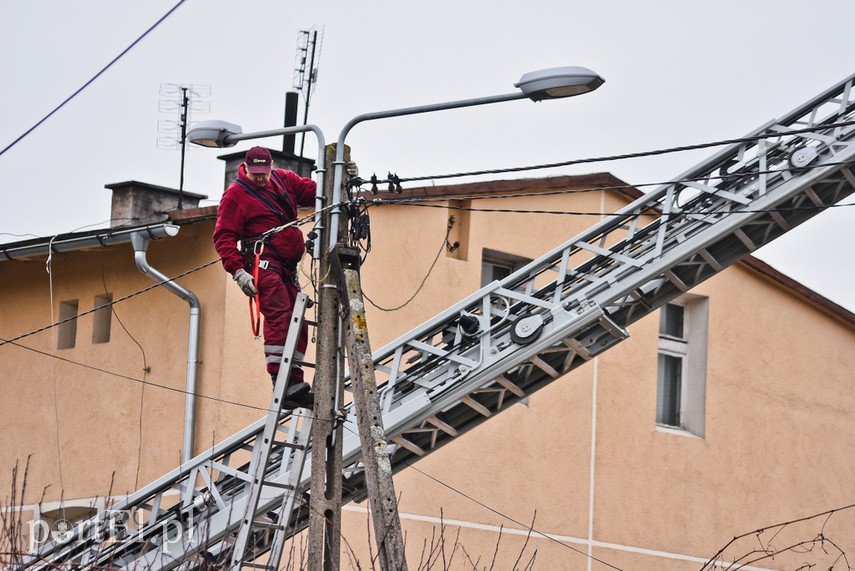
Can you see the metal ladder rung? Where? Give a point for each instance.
(285, 444)
(254, 565)
(280, 485)
(267, 524)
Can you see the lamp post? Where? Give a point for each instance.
(326, 431)
(551, 83)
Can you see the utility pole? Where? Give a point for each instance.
(369, 417)
(340, 295)
(325, 498)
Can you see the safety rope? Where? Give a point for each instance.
(254, 301)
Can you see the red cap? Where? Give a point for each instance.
(258, 160)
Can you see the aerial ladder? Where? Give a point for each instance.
(488, 351)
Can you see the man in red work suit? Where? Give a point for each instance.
(262, 198)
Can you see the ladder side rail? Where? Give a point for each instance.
(296, 474)
(727, 227)
(85, 535)
(733, 221)
(264, 443)
(842, 89)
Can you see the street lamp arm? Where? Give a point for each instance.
(232, 138)
(338, 164)
(421, 109)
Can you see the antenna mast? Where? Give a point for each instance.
(308, 49)
(188, 100)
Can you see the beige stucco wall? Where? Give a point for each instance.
(116, 422)
(777, 429)
(778, 434)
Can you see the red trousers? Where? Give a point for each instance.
(277, 292)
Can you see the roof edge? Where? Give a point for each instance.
(801, 290)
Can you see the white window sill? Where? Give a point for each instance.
(676, 431)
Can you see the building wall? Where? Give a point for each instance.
(118, 406)
(777, 431)
(583, 459)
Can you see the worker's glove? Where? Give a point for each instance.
(351, 169)
(244, 280)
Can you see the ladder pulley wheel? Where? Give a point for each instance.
(527, 329)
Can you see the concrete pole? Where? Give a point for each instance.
(325, 502)
(369, 418)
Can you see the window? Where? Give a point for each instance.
(51, 520)
(498, 265)
(102, 318)
(67, 330)
(682, 364)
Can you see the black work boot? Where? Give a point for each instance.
(298, 395)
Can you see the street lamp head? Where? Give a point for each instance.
(558, 82)
(213, 134)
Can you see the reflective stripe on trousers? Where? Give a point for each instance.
(276, 296)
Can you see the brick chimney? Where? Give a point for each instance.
(135, 203)
(281, 160)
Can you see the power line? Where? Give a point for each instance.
(495, 511)
(626, 186)
(635, 155)
(509, 518)
(425, 202)
(593, 213)
(145, 370)
(129, 378)
(110, 304)
(421, 285)
(85, 85)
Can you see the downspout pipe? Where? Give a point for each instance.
(140, 243)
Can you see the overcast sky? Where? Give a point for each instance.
(678, 72)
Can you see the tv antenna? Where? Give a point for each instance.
(306, 64)
(185, 99)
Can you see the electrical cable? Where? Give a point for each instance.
(627, 186)
(424, 201)
(115, 301)
(145, 373)
(85, 85)
(410, 464)
(635, 155)
(421, 285)
(134, 379)
(592, 213)
(509, 518)
(53, 343)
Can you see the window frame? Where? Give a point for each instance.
(691, 349)
(496, 259)
(66, 333)
(102, 318)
